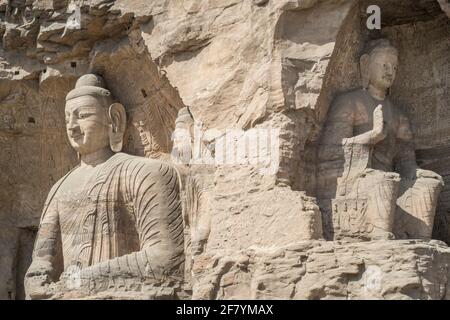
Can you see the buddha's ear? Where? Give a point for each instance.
(364, 63)
(118, 118)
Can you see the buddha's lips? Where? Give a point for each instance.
(76, 137)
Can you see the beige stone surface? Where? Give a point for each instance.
(245, 65)
(403, 269)
(445, 5)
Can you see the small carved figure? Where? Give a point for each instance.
(183, 137)
(196, 187)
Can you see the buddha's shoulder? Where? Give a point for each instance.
(131, 164)
(143, 163)
(55, 188)
(351, 96)
(346, 102)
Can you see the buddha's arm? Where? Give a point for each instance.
(47, 256)
(154, 191)
(373, 136)
(405, 160)
(338, 126)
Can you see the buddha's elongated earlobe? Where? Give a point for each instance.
(364, 63)
(118, 124)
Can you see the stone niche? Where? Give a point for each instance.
(420, 30)
(151, 101)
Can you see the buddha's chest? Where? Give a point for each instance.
(364, 118)
(77, 182)
(92, 206)
(96, 223)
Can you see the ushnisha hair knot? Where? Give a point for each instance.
(89, 84)
(379, 45)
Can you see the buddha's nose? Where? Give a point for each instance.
(72, 124)
(389, 70)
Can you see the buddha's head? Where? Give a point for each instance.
(379, 64)
(184, 120)
(93, 120)
(183, 137)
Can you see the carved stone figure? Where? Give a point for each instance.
(197, 185)
(112, 218)
(368, 144)
(183, 137)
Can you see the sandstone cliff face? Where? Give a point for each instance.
(326, 270)
(238, 64)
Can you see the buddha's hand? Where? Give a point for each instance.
(379, 130)
(373, 136)
(421, 173)
(199, 241)
(198, 246)
(72, 278)
(38, 281)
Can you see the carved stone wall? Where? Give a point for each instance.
(35, 154)
(238, 64)
(424, 97)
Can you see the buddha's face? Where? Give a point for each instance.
(87, 124)
(383, 68)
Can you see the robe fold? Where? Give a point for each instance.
(127, 220)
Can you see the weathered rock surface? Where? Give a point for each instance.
(398, 269)
(445, 6)
(240, 64)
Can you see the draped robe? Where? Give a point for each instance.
(126, 222)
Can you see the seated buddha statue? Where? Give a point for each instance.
(369, 184)
(113, 217)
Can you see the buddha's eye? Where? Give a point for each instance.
(83, 115)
